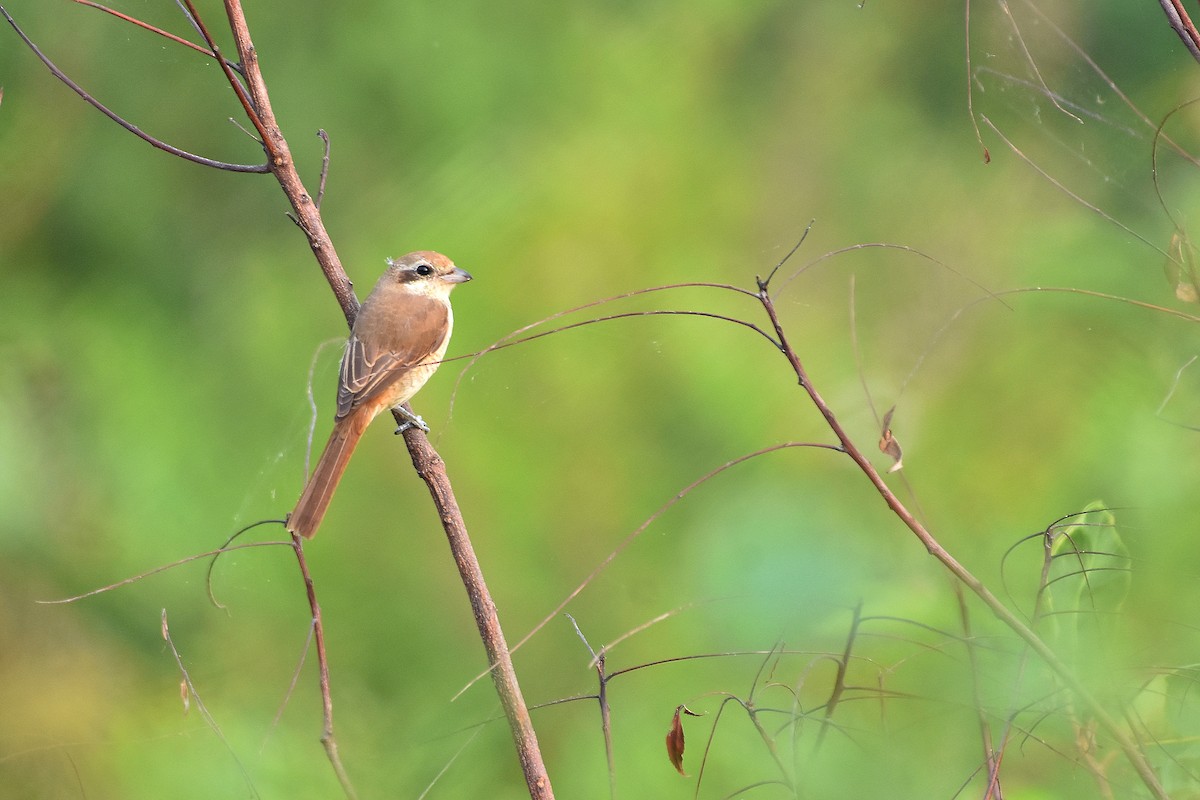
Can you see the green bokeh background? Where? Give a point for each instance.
(158, 321)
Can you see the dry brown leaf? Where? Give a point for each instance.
(675, 742)
(888, 445)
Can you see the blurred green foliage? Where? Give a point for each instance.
(158, 321)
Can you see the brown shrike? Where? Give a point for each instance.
(398, 340)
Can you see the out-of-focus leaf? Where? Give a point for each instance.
(888, 444)
(1181, 268)
(1090, 569)
(1087, 581)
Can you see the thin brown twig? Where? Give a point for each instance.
(328, 740)
(987, 155)
(152, 28)
(658, 662)
(599, 663)
(324, 167)
(839, 682)
(990, 756)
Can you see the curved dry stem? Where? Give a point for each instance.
(1032, 63)
(328, 740)
(987, 155)
(515, 337)
(212, 565)
(162, 568)
(886, 246)
(1159, 136)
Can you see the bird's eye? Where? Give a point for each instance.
(424, 269)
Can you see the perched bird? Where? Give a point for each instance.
(397, 342)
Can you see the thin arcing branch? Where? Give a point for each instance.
(124, 123)
(153, 29)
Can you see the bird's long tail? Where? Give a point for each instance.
(314, 500)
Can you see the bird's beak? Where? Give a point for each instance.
(458, 275)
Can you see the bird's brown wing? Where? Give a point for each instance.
(386, 350)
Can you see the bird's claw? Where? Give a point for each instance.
(410, 421)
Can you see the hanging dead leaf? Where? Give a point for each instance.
(675, 738)
(675, 742)
(888, 444)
